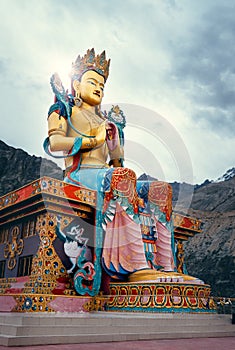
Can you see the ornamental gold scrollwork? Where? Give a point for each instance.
(180, 256)
(14, 246)
(97, 303)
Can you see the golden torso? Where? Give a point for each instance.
(87, 122)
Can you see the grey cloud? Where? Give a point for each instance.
(2, 65)
(216, 120)
(205, 67)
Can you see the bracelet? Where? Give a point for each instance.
(56, 132)
(76, 146)
(92, 143)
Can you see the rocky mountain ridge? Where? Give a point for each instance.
(209, 255)
(230, 173)
(214, 196)
(18, 168)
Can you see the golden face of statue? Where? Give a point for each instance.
(90, 88)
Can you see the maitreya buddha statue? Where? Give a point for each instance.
(134, 216)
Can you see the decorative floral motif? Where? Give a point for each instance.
(27, 303)
(48, 274)
(116, 115)
(123, 184)
(185, 222)
(36, 187)
(180, 256)
(8, 199)
(13, 247)
(160, 194)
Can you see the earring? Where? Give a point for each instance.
(77, 100)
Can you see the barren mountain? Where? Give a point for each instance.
(211, 254)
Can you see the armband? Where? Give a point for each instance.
(56, 131)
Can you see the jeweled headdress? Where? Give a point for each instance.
(90, 62)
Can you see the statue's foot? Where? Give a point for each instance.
(149, 275)
(145, 275)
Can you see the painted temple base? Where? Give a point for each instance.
(34, 265)
(44, 303)
(25, 294)
(123, 297)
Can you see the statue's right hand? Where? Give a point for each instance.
(98, 140)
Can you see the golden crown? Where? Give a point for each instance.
(90, 62)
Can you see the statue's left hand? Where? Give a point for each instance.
(111, 131)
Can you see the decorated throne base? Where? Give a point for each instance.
(158, 297)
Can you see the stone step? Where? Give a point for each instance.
(35, 329)
(84, 329)
(109, 318)
(106, 337)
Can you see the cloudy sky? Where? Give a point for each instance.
(172, 72)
